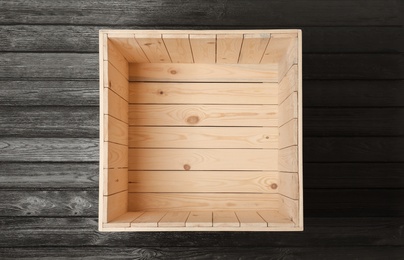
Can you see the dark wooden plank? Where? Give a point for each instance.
(353, 149)
(48, 203)
(85, 66)
(353, 121)
(49, 150)
(330, 253)
(210, 13)
(353, 66)
(353, 175)
(319, 232)
(49, 93)
(24, 38)
(49, 122)
(48, 176)
(25, 66)
(353, 93)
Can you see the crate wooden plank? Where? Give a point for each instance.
(115, 131)
(204, 93)
(199, 72)
(225, 219)
(253, 48)
(290, 208)
(250, 219)
(114, 80)
(288, 134)
(115, 57)
(288, 84)
(199, 219)
(202, 159)
(123, 220)
(130, 48)
(206, 137)
(288, 184)
(288, 109)
(116, 155)
(206, 181)
(288, 159)
(114, 206)
(115, 106)
(174, 219)
(178, 47)
(228, 48)
(206, 115)
(282, 49)
(274, 218)
(203, 47)
(200, 201)
(154, 48)
(148, 219)
(115, 180)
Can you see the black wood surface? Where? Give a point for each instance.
(353, 71)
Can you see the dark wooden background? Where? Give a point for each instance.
(353, 128)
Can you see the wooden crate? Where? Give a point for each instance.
(200, 130)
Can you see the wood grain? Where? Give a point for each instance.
(225, 219)
(228, 48)
(174, 219)
(203, 115)
(250, 219)
(178, 47)
(203, 159)
(153, 47)
(204, 93)
(130, 48)
(253, 48)
(199, 219)
(206, 137)
(203, 48)
(116, 155)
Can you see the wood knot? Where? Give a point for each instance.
(161, 92)
(109, 84)
(266, 137)
(187, 167)
(274, 186)
(193, 120)
(173, 72)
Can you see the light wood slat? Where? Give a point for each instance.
(115, 106)
(130, 48)
(115, 205)
(289, 184)
(205, 115)
(174, 219)
(206, 137)
(290, 58)
(199, 219)
(250, 219)
(114, 80)
(205, 93)
(288, 109)
(117, 59)
(154, 48)
(253, 48)
(116, 154)
(203, 47)
(198, 72)
(148, 219)
(288, 134)
(204, 181)
(115, 130)
(178, 47)
(277, 48)
(225, 219)
(275, 219)
(288, 160)
(228, 48)
(289, 208)
(123, 220)
(115, 180)
(201, 201)
(287, 85)
(203, 159)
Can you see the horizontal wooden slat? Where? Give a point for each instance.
(203, 181)
(115, 205)
(288, 159)
(288, 134)
(203, 137)
(198, 72)
(115, 155)
(116, 59)
(49, 121)
(204, 93)
(202, 201)
(115, 80)
(203, 159)
(115, 180)
(203, 115)
(49, 150)
(288, 84)
(115, 105)
(115, 131)
(288, 109)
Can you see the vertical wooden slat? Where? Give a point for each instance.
(116, 154)
(288, 83)
(288, 109)
(288, 161)
(289, 184)
(250, 219)
(116, 81)
(275, 219)
(253, 48)
(148, 219)
(116, 58)
(174, 219)
(289, 208)
(130, 48)
(123, 220)
(178, 47)
(199, 219)
(115, 180)
(115, 106)
(203, 48)
(115, 205)
(225, 219)
(288, 134)
(115, 130)
(154, 48)
(228, 48)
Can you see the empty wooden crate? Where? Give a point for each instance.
(200, 130)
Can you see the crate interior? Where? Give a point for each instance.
(200, 130)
